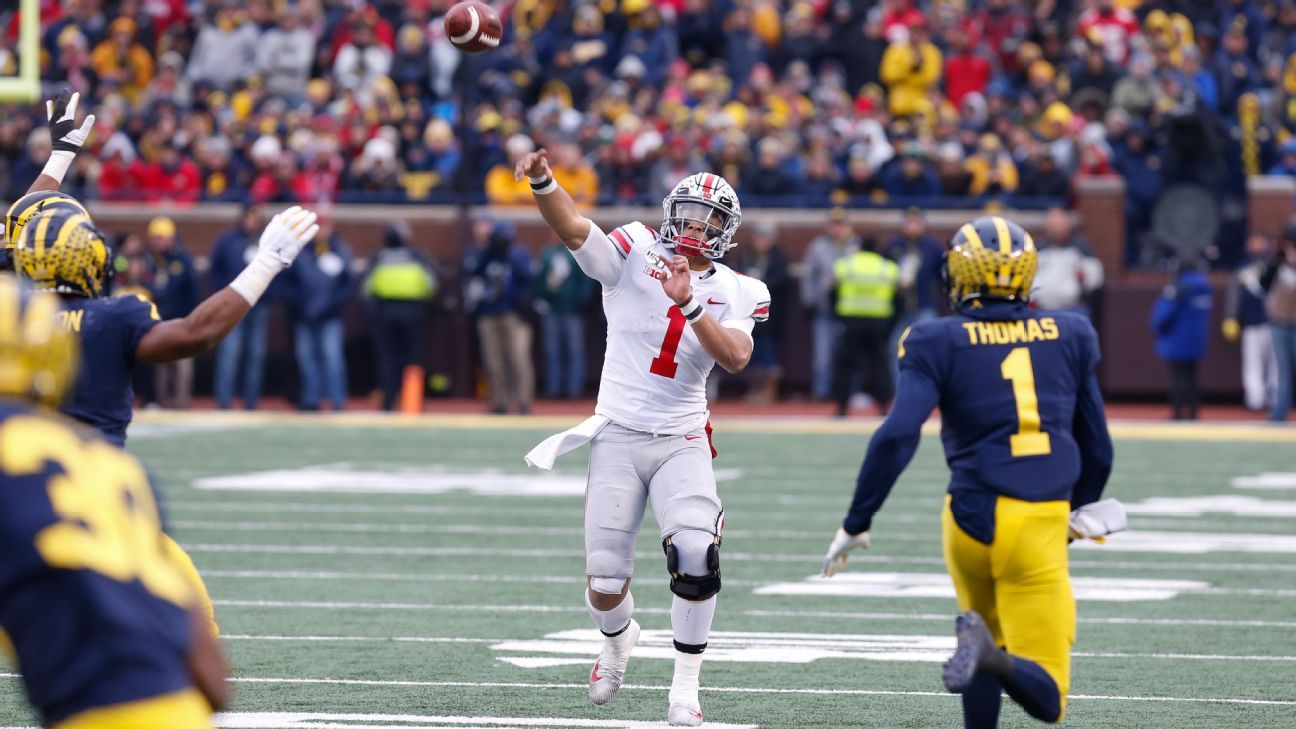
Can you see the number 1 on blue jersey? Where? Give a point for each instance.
(1028, 440)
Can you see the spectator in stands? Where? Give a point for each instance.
(1112, 27)
(501, 187)
(1179, 321)
(1005, 26)
(921, 259)
(225, 51)
(864, 292)
(992, 168)
(562, 298)
(245, 346)
(1279, 281)
(1069, 274)
(1094, 72)
(574, 174)
(763, 258)
(966, 70)
(817, 284)
(768, 176)
(282, 183)
(284, 55)
(911, 67)
(912, 177)
(172, 178)
(1286, 166)
(497, 289)
(1244, 321)
(175, 292)
(121, 62)
(955, 179)
(1140, 165)
(400, 285)
(362, 60)
(1043, 178)
(320, 283)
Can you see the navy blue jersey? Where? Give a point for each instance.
(93, 606)
(110, 330)
(1021, 414)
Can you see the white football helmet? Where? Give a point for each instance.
(700, 216)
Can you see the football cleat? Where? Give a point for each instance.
(609, 670)
(684, 713)
(976, 652)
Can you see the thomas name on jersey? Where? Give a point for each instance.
(1011, 332)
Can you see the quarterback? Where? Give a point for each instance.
(1026, 441)
(673, 313)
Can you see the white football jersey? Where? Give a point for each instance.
(655, 369)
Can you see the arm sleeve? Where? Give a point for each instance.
(892, 447)
(1094, 441)
(754, 308)
(601, 257)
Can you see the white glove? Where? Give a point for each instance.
(842, 545)
(286, 234)
(1097, 520)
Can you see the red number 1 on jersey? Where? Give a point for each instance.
(664, 363)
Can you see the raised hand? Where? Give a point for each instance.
(533, 164)
(287, 233)
(64, 132)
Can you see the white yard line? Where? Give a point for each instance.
(577, 579)
(844, 615)
(331, 549)
(717, 643)
(718, 689)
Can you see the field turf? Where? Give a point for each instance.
(373, 572)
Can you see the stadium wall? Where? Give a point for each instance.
(1130, 368)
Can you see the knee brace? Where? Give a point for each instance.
(695, 587)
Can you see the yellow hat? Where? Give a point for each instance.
(161, 227)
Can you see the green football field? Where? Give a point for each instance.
(372, 572)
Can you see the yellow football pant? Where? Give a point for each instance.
(181, 710)
(186, 566)
(1020, 584)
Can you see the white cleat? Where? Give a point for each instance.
(609, 670)
(684, 713)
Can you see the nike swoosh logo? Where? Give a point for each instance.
(692, 437)
(714, 302)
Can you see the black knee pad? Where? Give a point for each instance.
(694, 587)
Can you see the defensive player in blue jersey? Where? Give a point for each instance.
(61, 250)
(1026, 441)
(107, 632)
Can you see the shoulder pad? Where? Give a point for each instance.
(633, 235)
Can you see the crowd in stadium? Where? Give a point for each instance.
(808, 103)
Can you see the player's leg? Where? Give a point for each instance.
(687, 507)
(185, 709)
(1037, 610)
(968, 562)
(614, 505)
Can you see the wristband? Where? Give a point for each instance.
(691, 309)
(58, 163)
(544, 188)
(256, 278)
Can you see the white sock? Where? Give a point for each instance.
(684, 686)
(691, 621)
(611, 621)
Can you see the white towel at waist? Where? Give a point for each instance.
(544, 455)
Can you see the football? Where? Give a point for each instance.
(473, 27)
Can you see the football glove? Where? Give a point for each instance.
(286, 234)
(64, 132)
(842, 544)
(1097, 520)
